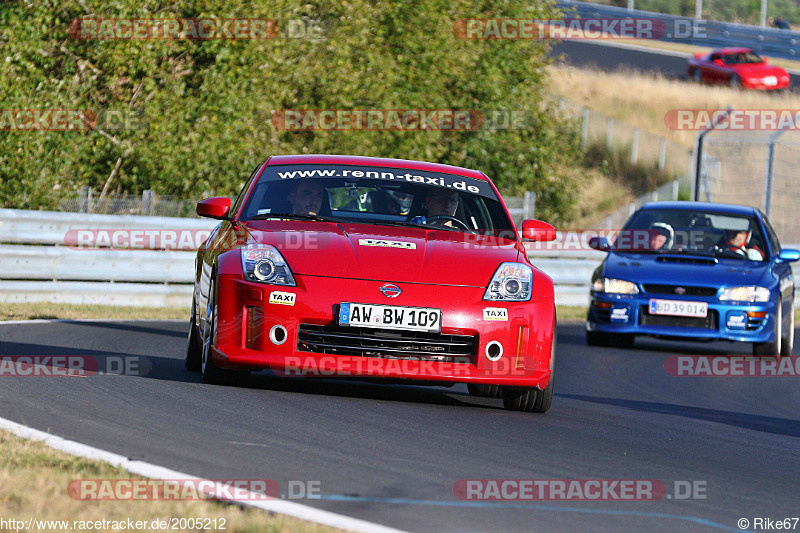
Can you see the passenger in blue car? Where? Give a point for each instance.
(661, 236)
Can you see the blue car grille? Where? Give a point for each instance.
(655, 288)
(711, 321)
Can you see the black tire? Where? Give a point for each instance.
(212, 374)
(194, 353)
(774, 348)
(787, 344)
(735, 82)
(533, 400)
(484, 391)
(697, 75)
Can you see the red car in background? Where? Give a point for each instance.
(737, 67)
(359, 267)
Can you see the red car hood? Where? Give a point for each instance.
(385, 253)
(758, 71)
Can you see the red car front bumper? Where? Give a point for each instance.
(246, 318)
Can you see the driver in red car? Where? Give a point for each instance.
(439, 203)
(306, 198)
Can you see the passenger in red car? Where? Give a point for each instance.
(306, 198)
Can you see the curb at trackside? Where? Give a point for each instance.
(296, 510)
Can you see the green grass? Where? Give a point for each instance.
(46, 310)
(34, 480)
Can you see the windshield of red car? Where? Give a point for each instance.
(377, 195)
(693, 232)
(742, 58)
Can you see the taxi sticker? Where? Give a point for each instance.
(495, 313)
(381, 243)
(282, 298)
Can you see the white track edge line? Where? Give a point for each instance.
(297, 510)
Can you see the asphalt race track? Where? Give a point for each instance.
(392, 454)
(610, 58)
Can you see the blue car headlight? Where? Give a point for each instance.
(614, 286)
(745, 294)
(263, 263)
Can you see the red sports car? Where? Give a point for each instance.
(737, 67)
(341, 266)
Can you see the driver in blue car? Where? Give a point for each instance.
(441, 206)
(738, 240)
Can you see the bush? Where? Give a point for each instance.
(202, 109)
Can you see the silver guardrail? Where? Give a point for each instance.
(41, 262)
(37, 265)
(772, 42)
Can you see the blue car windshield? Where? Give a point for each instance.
(693, 232)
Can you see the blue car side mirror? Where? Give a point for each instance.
(788, 255)
(599, 243)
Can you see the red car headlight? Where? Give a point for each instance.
(263, 263)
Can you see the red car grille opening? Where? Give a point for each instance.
(711, 321)
(390, 344)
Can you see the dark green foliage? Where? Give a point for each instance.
(202, 109)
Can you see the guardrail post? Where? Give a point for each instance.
(635, 146)
(768, 178)
(585, 128)
(662, 154)
(675, 190)
(529, 205)
(609, 133)
(147, 202)
(82, 208)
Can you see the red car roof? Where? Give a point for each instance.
(733, 50)
(322, 159)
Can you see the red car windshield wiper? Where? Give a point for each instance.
(266, 216)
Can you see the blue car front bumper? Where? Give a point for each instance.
(746, 322)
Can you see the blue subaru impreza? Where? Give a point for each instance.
(694, 271)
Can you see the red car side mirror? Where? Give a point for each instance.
(536, 230)
(216, 207)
